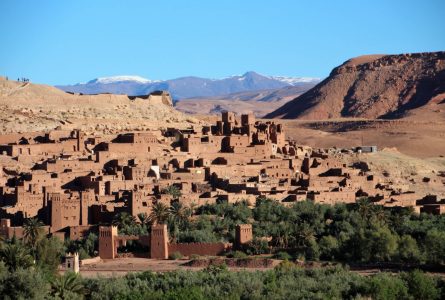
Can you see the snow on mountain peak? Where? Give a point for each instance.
(114, 79)
(295, 80)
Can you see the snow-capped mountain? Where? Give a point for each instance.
(294, 81)
(114, 79)
(186, 87)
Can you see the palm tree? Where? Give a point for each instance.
(379, 214)
(173, 191)
(65, 286)
(159, 213)
(179, 213)
(16, 256)
(32, 233)
(304, 234)
(123, 219)
(143, 218)
(193, 206)
(365, 207)
(179, 216)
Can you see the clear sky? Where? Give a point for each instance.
(64, 42)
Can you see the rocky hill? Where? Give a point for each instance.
(374, 86)
(33, 107)
(259, 102)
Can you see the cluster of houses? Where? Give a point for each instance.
(73, 182)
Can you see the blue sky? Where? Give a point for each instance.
(63, 42)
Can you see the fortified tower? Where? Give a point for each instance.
(159, 242)
(243, 235)
(72, 262)
(107, 243)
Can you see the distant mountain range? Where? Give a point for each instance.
(187, 87)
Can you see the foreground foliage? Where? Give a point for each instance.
(286, 281)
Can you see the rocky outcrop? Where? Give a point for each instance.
(373, 86)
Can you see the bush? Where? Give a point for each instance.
(283, 255)
(195, 256)
(328, 247)
(421, 285)
(236, 254)
(239, 254)
(175, 255)
(386, 286)
(257, 246)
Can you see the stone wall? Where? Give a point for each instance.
(188, 249)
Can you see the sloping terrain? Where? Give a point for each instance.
(259, 102)
(31, 107)
(375, 86)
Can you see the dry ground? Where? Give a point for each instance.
(409, 150)
(26, 107)
(122, 266)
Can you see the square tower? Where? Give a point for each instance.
(228, 117)
(243, 235)
(72, 262)
(107, 244)
(248, 119)
(159, 241)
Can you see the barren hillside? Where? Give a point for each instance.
(375, 86)
(259, 102)
(32, 107)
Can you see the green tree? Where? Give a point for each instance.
(408, 250)
(178, 218)
(159, 213)
(435, 246)
(123, 219)
(16, 256)
(329, 247)
(365, 208)
(24, 284)
(421, 285)
(383, 244)
(385, 286)
(173, 191)
(143, 218)
(49, 253)
(32, 233)
(68, 286)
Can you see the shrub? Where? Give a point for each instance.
(283, 255)
(195, 256)
(328, 247)
(421, 285)
(236, 254)
(175, 255)
(257, 246)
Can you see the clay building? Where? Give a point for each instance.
(72, 181)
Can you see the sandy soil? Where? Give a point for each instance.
(414, 138)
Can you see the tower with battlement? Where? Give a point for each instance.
(243, 235)
(159, 242)
(107, 242)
